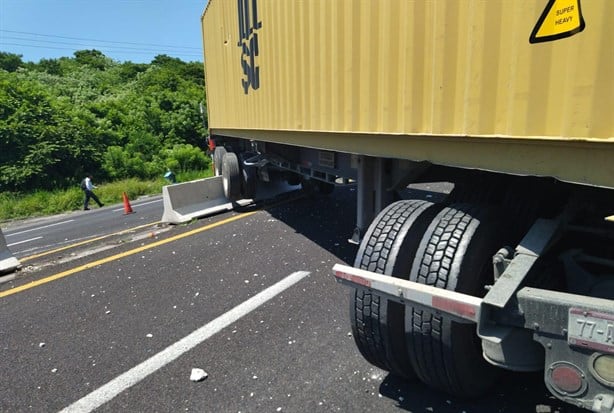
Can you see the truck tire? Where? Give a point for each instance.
(388, 247)
(454, 254)
(231, 176)
(218, 159)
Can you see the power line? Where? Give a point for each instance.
(102, 50)
(95, 40)
(76, 45)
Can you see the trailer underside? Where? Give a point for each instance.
(512, 272)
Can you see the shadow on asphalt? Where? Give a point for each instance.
(514, 393)
(329, 221)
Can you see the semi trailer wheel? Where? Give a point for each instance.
(231, 176)
(455, 254)
(388, 247)
(218, 159)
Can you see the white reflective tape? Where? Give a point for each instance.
(466, 310)
(463, 306)
(353, 278)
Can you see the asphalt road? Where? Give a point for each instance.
(30, 237)
(119, 323)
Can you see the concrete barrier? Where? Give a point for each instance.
(195, 199)
(8, 263)
(202, 197)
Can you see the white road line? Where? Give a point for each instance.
(138, 205)
(37, 228)
(23, 242)
(150, 202)
(133, 376)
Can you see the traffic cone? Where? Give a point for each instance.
(127, 207)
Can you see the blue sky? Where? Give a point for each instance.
(134, 30)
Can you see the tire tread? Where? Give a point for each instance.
(435, 342)
(387, 248)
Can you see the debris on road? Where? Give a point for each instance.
(198, 375)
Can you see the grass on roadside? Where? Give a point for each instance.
(41, 203)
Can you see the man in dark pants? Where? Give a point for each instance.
(88, 188)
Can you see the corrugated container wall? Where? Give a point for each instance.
(418, 74)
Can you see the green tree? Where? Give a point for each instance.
(32, 135)
(62, 117)
(92, 58)
(185, 157)
(10, 62)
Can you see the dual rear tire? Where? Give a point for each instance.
(450, 248)
(388, 247)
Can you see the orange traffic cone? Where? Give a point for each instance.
(127, 207)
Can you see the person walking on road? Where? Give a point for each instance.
(88, 188)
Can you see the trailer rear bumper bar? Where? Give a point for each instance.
(576, 332)
(462, 307)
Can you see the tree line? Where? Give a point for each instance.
(62, 118)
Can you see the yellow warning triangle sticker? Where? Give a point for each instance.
(560, 19)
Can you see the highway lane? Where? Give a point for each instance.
(62, 340)
(30, 237)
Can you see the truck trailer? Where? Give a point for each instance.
(511, 103)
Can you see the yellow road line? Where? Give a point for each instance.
(42, 254)
(120, 255)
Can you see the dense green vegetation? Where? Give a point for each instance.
(63, 118)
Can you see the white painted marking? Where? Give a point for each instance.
(37, 228)
(23, 242)
(133, 376)
(138, 205)
(150, 202)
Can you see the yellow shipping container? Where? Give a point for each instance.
(516, 86)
